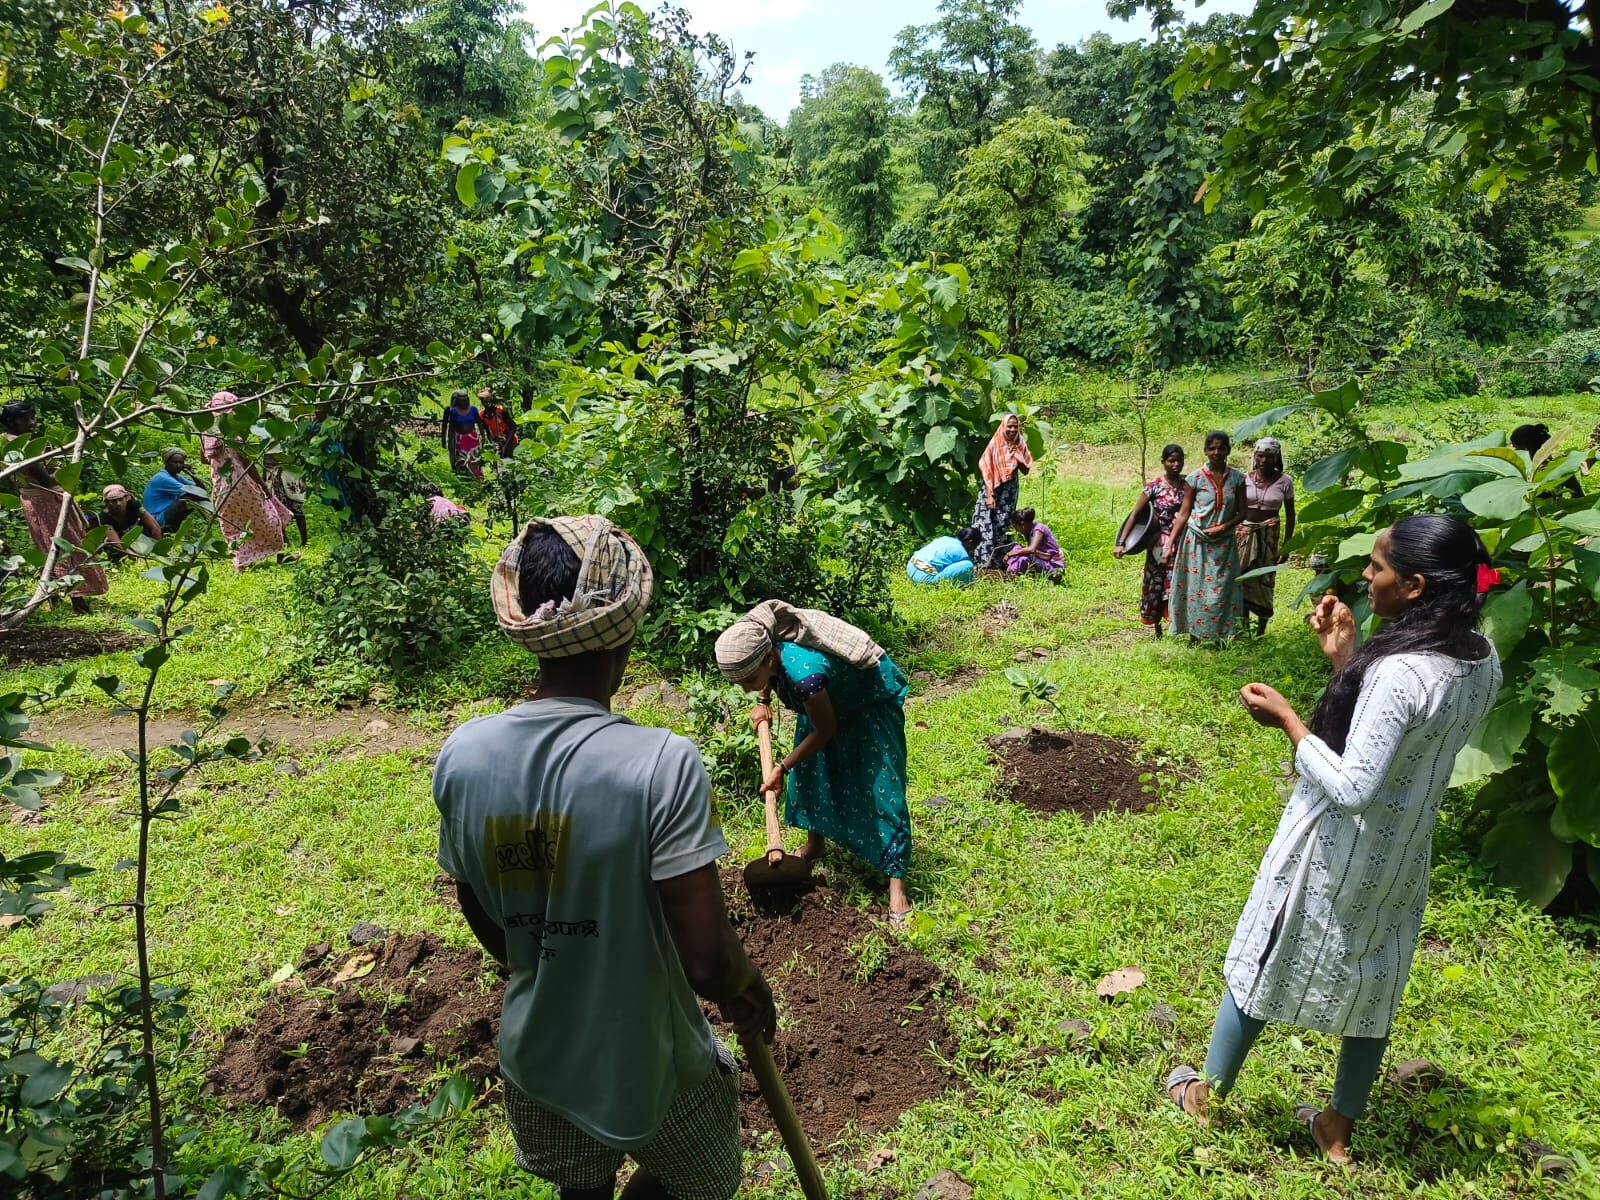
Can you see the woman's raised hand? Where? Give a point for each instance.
(1265, 705)
(760, 713)
(1335, 627)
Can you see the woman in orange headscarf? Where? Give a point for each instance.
(1003, 459)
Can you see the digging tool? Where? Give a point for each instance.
(777, 867)
(759, 1056)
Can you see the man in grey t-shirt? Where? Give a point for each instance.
(584, 848)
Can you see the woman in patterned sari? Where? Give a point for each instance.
(42, 501)
(847, 770)
(1004, 458)
(1163, 495)
(1267, 489)
(253, 519)
(1205, 601)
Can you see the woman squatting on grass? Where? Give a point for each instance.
(1327, 937)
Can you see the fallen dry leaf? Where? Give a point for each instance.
(880, 1157)
(1119, 982)
(7, 920)
(356, 967)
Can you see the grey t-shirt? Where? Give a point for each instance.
(561, 817)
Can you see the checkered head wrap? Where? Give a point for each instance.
(743, 645)
(614, 589)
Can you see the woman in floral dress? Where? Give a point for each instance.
(42, 501)
(253, 519)
(1206, 602)
(1163, 495)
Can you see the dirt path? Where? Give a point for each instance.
(376, 730)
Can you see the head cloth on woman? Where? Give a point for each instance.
(751, 638)
(615, 584)
(1001, 457)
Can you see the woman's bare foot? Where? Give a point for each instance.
(815, 849)
(899, 901)
(1330, 1129)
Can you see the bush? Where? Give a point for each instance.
(74, 1124)
(1568, 364)
(405, 594)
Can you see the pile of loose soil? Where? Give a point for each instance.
(366, 1031)
(1084, 773)
(40, 645)
(393, 1014)
(851, 1049)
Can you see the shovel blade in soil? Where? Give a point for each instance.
(785, 871)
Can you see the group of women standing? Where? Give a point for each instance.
(1209, 528)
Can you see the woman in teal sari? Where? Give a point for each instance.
(1206, 601)
(847, 770)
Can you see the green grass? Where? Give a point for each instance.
(1026, 914)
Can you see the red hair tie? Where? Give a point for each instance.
(1487, 577)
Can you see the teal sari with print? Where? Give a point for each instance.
(854, 791)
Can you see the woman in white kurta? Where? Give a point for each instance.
(1326, 939)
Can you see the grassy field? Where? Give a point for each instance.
(1026, 914)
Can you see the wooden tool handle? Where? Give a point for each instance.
(759, 1055)
(774, 827)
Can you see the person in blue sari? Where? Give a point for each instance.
(946, 559)
(847, 771)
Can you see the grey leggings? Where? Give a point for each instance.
(1234, 1033)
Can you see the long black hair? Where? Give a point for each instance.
(1447, 553)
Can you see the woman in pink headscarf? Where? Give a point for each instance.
(252, 517)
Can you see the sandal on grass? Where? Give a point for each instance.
(1181, 1091)
(898, 920)
(1308, 1114)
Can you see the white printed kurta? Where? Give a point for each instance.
(1326, 939)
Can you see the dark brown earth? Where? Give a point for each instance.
(376, 1042)
(851, 1050)
(39, 645)
(1085, 773)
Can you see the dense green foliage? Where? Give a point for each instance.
(1535, 752)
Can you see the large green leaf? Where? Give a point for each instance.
(1357, 545)
(1585, 521)
(1250, 426)
(1494, 744)
(1326, 472)
(1498, 500)
(1565, 677)
(1338, 503)
(1340, 401)
(939, 441)
(1527, 857)
(1506, 616)
(466, 183)
(1573, 761)
(1588, 563)
(1420, 16)
(1502, 461)
(1381, 460)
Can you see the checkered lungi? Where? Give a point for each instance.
(696, 1154)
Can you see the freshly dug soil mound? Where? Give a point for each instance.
(853, 1044)
(375, 1043)
(40, 645)
(857, 1032)
(1084, 773)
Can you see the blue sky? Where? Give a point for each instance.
(791, 38)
